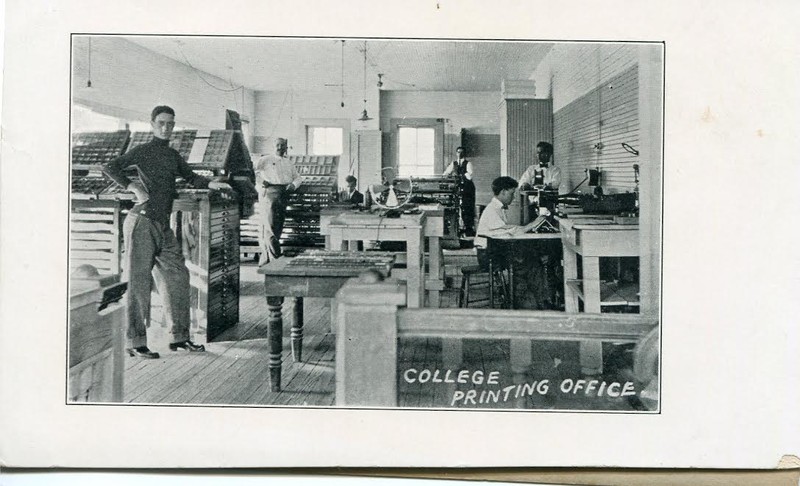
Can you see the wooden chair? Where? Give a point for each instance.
(477, 277)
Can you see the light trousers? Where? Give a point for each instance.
(272, 208)
(153, 255)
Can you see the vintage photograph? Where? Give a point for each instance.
(454, 224)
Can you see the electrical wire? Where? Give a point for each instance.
(197, 72)
(374, 64)
(278, 118)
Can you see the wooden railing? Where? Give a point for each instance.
(372, 316)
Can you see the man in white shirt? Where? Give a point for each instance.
(494, 222)
(543, 175)
(276, 177)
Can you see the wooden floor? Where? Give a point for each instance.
(234, 369)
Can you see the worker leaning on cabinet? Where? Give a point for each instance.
(152, 252)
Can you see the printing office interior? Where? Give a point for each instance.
(390, 113)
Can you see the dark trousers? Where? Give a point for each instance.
(272, 207)
(468, 207)
(152, 254)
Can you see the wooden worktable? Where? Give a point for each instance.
(592, 238)
(342, 227)
(283, 279)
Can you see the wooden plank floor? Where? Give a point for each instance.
(234, 369)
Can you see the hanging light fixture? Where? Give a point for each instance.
(89, 70)
(364, 115)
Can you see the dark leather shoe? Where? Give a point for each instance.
(142, 352)
(187, 346)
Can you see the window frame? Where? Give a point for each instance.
(438, 140)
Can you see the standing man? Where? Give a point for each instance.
(276, 177)
(542, 175)
(351, 194)
(463, 169)
(152, 252)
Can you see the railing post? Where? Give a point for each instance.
(366, 342)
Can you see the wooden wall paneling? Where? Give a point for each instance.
(608, 114)
(528, 123)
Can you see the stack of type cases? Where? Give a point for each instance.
(207, 227)
(301, 230)
(95, 224)
(206, 223)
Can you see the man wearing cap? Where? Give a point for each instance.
(152, 252)
(276, 177)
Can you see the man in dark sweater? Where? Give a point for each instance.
(152, 252)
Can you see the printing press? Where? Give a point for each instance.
(443, 190)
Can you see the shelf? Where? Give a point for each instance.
(611, 294)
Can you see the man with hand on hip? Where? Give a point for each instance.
(152, 252)
(276, 177)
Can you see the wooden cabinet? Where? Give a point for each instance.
(207, 226)
(96, 334)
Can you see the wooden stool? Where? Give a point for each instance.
(471, 280)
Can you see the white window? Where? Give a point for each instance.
(325, 140)
(416, 151)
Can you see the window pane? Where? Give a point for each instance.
(416, 151)
(325, 140)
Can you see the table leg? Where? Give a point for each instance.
(570, 273)
(416, 271)
(337, 239)
(591, 352)
(275, 322)
(435, 267)
(297, 330)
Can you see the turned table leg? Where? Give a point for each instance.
(297, 330)
(275, 320)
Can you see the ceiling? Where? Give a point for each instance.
(308, 64)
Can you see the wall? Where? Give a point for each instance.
(129, 80)
(610, 94)
(474, 112)
(595, 100)
(286, 114)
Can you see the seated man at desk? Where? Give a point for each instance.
(351, 194)
(533, 293)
